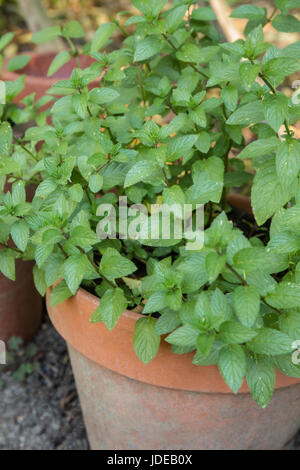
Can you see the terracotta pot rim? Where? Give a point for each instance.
(114, 350)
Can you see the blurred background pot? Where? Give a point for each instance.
(37, 80)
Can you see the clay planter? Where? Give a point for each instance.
(20, 303)
(169, 403)
(36, 74)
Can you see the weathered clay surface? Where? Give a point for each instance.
(121, 413)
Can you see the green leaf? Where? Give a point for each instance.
(59, 294)
(145, 341)
(17, 63)
(267, 194)
(275, 108)
(204, 14)
(246, 302)
(214, 265)
(6, 137)
(270, 342)
(260, 377)
(42, 253)
(76, 192)
(46, 35)
(184, 336)
(20, 234)
(232, 365)
(193, 269)
(286, 5)
(45, 188)
(260, 258)
(285, 295)
(260, 147)
(254, 44)
(277, 68)
(74, 270)
(18, 193)
(250, 113)
(229, 95)
(198, 116)
(288, 163)
(208, 177)
(248, 73)
(232, 332)
(220, 308)
(145, 171)
(112, 305)
(96, 183)
(102, 36)
(39, 280)
(103, 95)
(285, 364)
(83, 236)
(167, 322)
(173, 195)
(289, 323)
(113, 265)
(79, 104)
(251, 12)
(286, 23)
(203, 142)
(195, 54)
(147, 48)
(205, 342)
(5, 40)
(7, 264)
(174, 17)
(73, 29)
(156, 302)
(58, 61)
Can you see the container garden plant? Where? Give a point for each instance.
(214, 328)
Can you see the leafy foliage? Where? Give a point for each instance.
(168, 113)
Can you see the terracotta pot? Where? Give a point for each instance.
(36, 74)
(169, 403)
(20, 303)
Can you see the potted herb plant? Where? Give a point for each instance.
(204, 335)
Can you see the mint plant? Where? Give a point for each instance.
(165, 125)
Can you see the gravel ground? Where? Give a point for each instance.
(43, 412)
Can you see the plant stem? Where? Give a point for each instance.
(274, 91)
(189, 63)
(6, 247)
(244, 282)
(18, 141)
